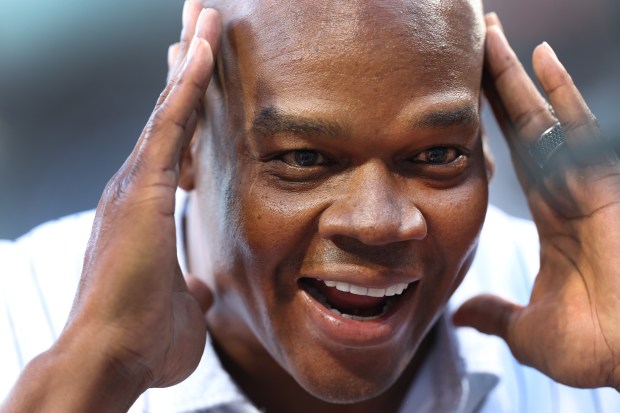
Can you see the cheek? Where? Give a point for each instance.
(454, 219)
(277, 225)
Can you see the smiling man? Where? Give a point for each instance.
(336, 184)
(337, 190)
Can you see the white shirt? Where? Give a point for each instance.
(466, 372)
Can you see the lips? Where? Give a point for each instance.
(365, 316)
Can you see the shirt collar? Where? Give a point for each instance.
(442, 384)
(209, 389)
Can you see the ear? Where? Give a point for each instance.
(489, 159)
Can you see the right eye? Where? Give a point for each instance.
(304, 158)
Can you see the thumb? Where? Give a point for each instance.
(200, 292)
(488, 314)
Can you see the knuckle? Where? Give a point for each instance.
(508, 67)
(529, 119)
(156, 119)
(587, 124)
(119, 186)
(560, 82)
(161, 116)
(163, 96)
(198, 85)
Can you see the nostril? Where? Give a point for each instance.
(375, 210)
(413, 225)
(381, 230)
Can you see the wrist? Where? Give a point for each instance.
(75, 376)
(112, 383)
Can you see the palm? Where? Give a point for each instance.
(572, 311)
(569, 328)
(133, 295)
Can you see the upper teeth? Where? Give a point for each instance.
(395, 289)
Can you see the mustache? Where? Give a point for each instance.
(347, 252)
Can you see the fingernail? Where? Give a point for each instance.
(552, 54)
(550, 50)
(492, 16)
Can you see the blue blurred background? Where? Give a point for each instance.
(78, 80)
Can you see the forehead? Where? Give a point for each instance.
(308, 54)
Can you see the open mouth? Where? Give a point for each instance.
(352, 301)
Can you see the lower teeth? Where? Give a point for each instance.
(389, 303)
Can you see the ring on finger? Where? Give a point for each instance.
(552, 111)
(549, 142)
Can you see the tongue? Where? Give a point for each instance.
(350, 303)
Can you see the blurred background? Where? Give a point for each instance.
(78, 80)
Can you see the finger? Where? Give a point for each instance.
(212, 33)
(200, 292)
(171, 125)
(191, 12)
(489, 158)
(583, 136)
(491, 19)
(173, 54)
(518, 153)
(488, 314)
(525, 108)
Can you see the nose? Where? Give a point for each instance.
(375, 209)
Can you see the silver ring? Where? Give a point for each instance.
(549, 142)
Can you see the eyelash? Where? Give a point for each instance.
(296, 158)
(455, 153)
(289, 165)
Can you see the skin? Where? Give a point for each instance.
(97, 365)
(259, 222)
(570, 324)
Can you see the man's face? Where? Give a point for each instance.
(341, 151)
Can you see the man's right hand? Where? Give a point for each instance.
(135, 323)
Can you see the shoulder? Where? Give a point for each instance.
(39, 273)
(49, 256)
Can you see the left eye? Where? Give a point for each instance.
(439, 155)
(304, 158)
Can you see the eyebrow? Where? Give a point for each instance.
(466, 115)
(271, 121)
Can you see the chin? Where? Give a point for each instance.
(356, 376)
(350, 390)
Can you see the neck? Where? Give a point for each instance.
(259, 376)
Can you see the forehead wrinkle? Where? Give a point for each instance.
(272, 120)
